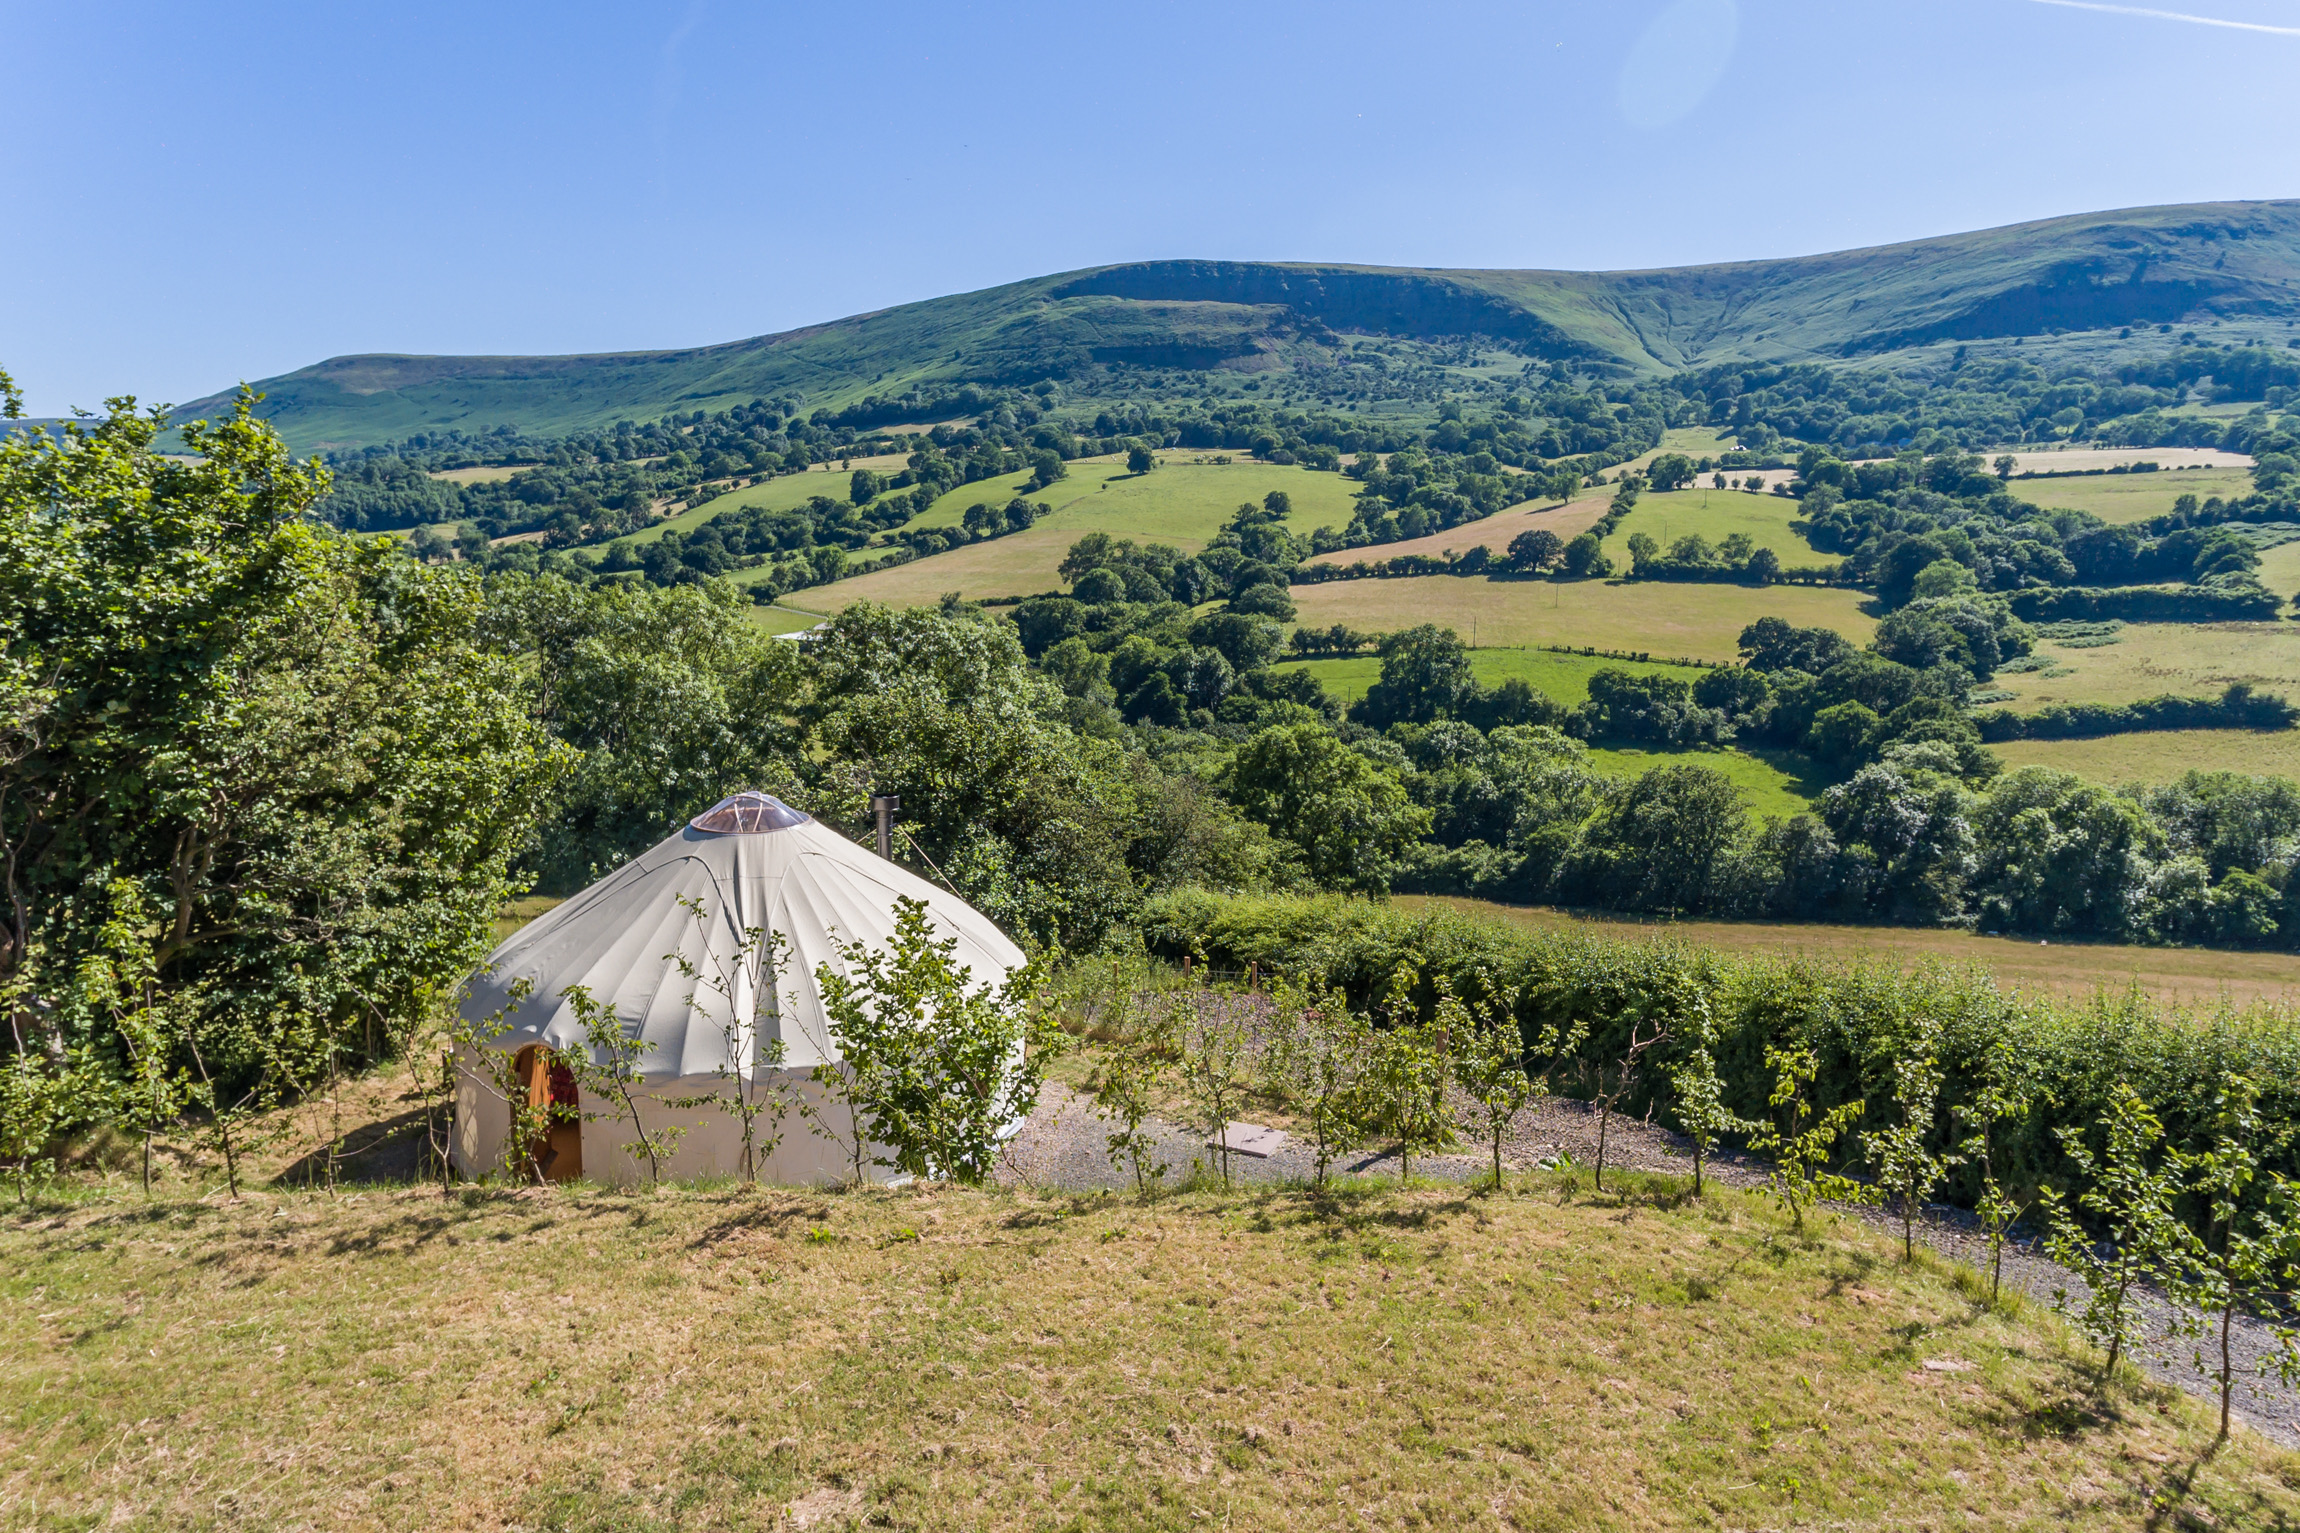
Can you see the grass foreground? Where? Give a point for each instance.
(1381, 1357)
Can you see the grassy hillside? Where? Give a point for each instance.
(1229, 319)
(1543, 1358)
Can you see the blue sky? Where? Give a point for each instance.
(200, 194)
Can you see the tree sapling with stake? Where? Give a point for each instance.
(2000, 1100)
(1701, 1109)
(2134, 1206)
(1489, 1065)
(1800, 1142)
(610, 1068)
(1906, 1170)
(1617, 1078)
(739, 992)
(2247, 1258)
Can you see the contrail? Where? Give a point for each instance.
(2202, 21)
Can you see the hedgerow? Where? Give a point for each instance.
(1856, 1017)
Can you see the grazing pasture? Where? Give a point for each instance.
(2150, 659)
(1703, 622)
(1180, 503)
(1773, 783)
(2196, 977)
(1715, 515)
(1566, 520)
(780, 619)
(2161, 756)
(2121, 498)
(1563, 677)
(782, 493)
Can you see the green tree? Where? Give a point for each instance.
(293, 745)
(935, 1067)
(1326, 1075)
(1658, 842)
(1585, 559)
(2133, 1203)
(1026, 821)
(1213, 1058)
(1700, 1105)
(1139, 459)
(863, 487)
(1406, 1077)
(1425, 675)
(611, 1067)
(1351, 822)
(2000, 1099)
(1487, 1052)
(1801, 1137)
(670, 696)
(1535, 550)
(1126, 1096)
(1670, 471)
(739, 991)
(1907, 1171)
(2247, 1257)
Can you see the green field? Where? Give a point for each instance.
(2280, 570)
(1715, 515)
(1772, 782)
(2121, 498)
(784, 492)
(2150, 659)
(1775, 782)
(1703, 622)
(1563, 677)
(1182, 504)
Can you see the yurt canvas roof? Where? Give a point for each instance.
(751, 861)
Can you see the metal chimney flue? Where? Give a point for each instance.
(882, 808)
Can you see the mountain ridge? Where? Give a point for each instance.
(2088, 271)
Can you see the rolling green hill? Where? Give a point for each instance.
(1233, 319)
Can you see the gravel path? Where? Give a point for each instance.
(1064, 1146)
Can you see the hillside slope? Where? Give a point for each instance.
(2088, 271)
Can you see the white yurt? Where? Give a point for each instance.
(750, 862)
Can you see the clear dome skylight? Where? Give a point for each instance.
(747, 813)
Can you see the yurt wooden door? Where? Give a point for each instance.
(551, 1090)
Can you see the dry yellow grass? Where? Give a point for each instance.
(485, 474)
(571, 1359)
(2149, 659)
(1702, 622)
(2200, 978)
(1494, 532)
(2161, 756)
